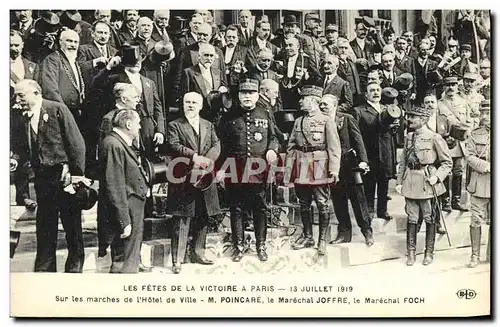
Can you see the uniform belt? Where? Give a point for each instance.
(416, 166)
(312, 148)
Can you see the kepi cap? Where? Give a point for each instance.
(469, 75)
(312, 15)
(419, 111)
(311, 90)
(485, 105)
(331, 27)
(466, 47)
(249, 85)
(451, 80)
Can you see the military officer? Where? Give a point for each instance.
(460, 113)
(353, 156)
(471, 94)
(314, 153)
(425, 163)
(249, 145)
(479, 159)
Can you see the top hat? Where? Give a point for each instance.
(86, 197)
(249, 85)
(218, 100)
(163, 51)
(177, 25)
(403, 82)
(48, 23)
(311, 90)
(290, 19)
(156, 172)
(389, 94)
(70, 18)
(368, 22)
(434, 77)
(285, 119)
(130, 55)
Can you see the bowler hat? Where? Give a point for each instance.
(368, 22)
(290, 19)
(218, 100)
(48, 23)
(419, 111)
(162, 51)
(249, 85)
(434, 77)
(311, 90)
(70, 18)
(86, 197)
(312, 15)
(177, 25)
(403, 82)
(130, 55)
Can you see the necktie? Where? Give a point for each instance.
(23, 28)
(104, 52)
(390, 78)
(327, 80)
(247, 34)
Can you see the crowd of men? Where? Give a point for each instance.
(109, 100)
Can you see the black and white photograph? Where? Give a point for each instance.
(250, 162)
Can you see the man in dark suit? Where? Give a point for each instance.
(389, 71)
(290, 23)
(43, 41)
(188, 57)
(204, 78)
(143, 38)
(402, 59)
(72, 19)
(150, 109)
(105, 17)
(366, 40)
(309, 40)
(160, 32)
(128, 31)
(21, 68)
(235, 56)
(24, 22)
(259, 42)
(270, 100)
(420, 69)
(245, 33)
(48, 133)
(193, 139)
(247, 135)
(333, 84)
(263, 69)
(379, 146)
(348, 72)
(61, 76)
(353, 156)
(124, 191)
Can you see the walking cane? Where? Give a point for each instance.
(438, 205)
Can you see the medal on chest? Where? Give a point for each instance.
(316, 136)
(257, 136)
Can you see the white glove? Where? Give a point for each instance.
(96, 61)
(113, 62)
(271, 156)
(13, 164)
(126, 231)
(363, 165)
(399, 188)
(223, 89)
(219, 177)
(432, 180)
(158, 138)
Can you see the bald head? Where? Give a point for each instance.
(69, 41)
(28, 94)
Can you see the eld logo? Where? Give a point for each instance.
(466, 294)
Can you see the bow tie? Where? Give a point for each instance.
(28, 113)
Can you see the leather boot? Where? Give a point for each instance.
(238, 237)
(445, 198)
(411, 243)
(368, 234)
(475, 240)
(488, 249)
(430, 239)
(439, 227)
(324, 224)
(200, 241)
(305, 240)
(342, 237)
(456, 191)
(260, 223)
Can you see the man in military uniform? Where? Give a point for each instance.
(479, 159)
(460, 114)
(309, 40)
(471, 94)
(353, 157)
(314, 153)
(425, 163)
(247, 138)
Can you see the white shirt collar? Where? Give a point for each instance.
(361, 43)
(194, 122)
(124, 136)
(203, 68)
(422, 61)
(35, 111)
(261, 43)
(375, 105)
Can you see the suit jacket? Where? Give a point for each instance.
(188, 57)
(404, 64)
(266, 104)
(385, 82)
(31, 71)
(122, 187)
(58, 81)
(28, 30)
(86, 54)
(244, 40)
(256, 74)
(59, 140)
(145, 47)
(193, 81)
(341, 89)
(156, 36)
(378, 140)
(350, 138)
(125, 35)
(349, 73)
(421, 82)
(182, 142)
(239, 54)
(253, 50)
(361, 53)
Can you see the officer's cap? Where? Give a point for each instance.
(311, 90)
(332, 27)
(466, 47)
(451, 80)
(419, 111)
(249, 85)
(312, 15)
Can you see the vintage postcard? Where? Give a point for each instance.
(250, 163)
